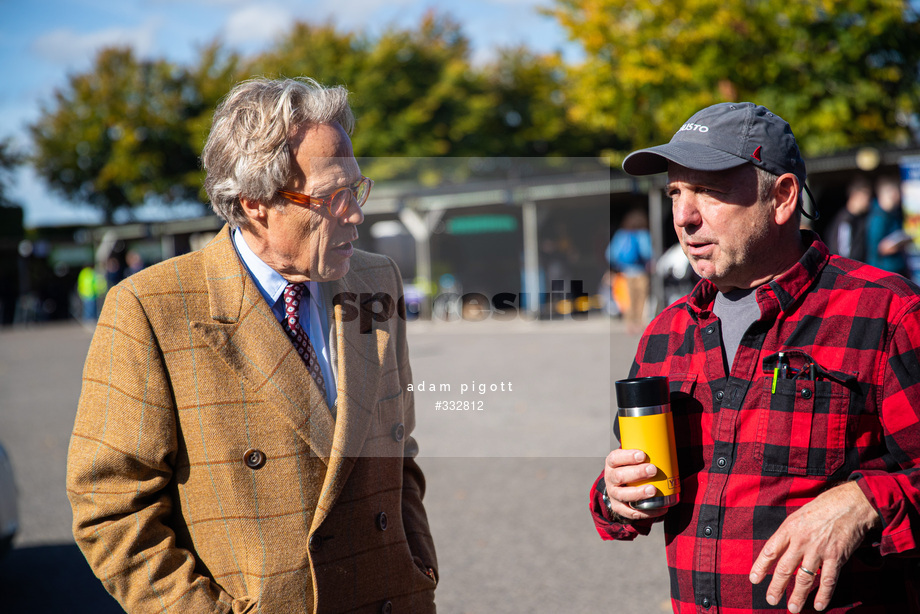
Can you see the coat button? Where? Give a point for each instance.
(316, 543)
(382, 521)
(707, 531)
(399, 431)
(706, 603)
(710, 330)
(719, 395)
(386, 608)
(254, 459)
(722, 461)
(806, 393)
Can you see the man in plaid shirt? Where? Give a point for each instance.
(795, 392)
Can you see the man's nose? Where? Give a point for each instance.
(353, 213)
(685, 210)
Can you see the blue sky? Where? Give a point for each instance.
(42, 42)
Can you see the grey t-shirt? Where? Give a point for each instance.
(737, 310)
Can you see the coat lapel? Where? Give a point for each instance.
(357, 382)
(246, 335)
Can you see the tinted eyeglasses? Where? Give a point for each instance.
(337, 202)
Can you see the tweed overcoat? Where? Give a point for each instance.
(206, 471)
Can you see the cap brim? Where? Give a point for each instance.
(691, 155)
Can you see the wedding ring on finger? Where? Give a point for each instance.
(808, 571)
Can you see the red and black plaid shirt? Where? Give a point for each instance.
(750, 455)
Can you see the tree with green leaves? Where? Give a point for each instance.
(843, 72)
(417, 95)
(205, 84)
(529, 113)
(118, 135)
(414, 91)
(127, 130)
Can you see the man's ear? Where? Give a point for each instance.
(785, 198)
(254, 210)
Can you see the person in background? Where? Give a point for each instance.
(885, 237)
(91, 288)
(133, 263)
(630, 255)
(846, 234)
(113, 272)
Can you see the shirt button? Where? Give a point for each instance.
(707, 531)
(806, 393)
(254, 459)
(706, 603)
(399, 431)
(316, 543)
(382, 521)
(719, 395)
(722, 462)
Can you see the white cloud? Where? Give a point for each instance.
(67, 46)
(254, 25)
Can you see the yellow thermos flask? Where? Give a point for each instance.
(646, 424)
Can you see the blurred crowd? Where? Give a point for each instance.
(870, 227)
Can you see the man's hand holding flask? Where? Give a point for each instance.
(641, 477)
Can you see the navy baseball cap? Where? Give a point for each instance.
(724, 136)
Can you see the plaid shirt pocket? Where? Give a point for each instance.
(802, 430)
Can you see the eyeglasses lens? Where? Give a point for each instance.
(342, 198)
(340, 201)
(362, 192)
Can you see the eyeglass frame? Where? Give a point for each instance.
(307, 199)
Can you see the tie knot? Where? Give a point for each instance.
(293, 295)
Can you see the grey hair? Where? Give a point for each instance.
(247, 153)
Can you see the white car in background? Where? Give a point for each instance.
(9, 515)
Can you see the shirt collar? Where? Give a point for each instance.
(780, 294)
(269, 281)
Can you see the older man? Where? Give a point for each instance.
(240, 446)
(795, 387)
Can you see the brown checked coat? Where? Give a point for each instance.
(206, 471)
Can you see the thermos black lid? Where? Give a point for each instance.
(642, 392)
